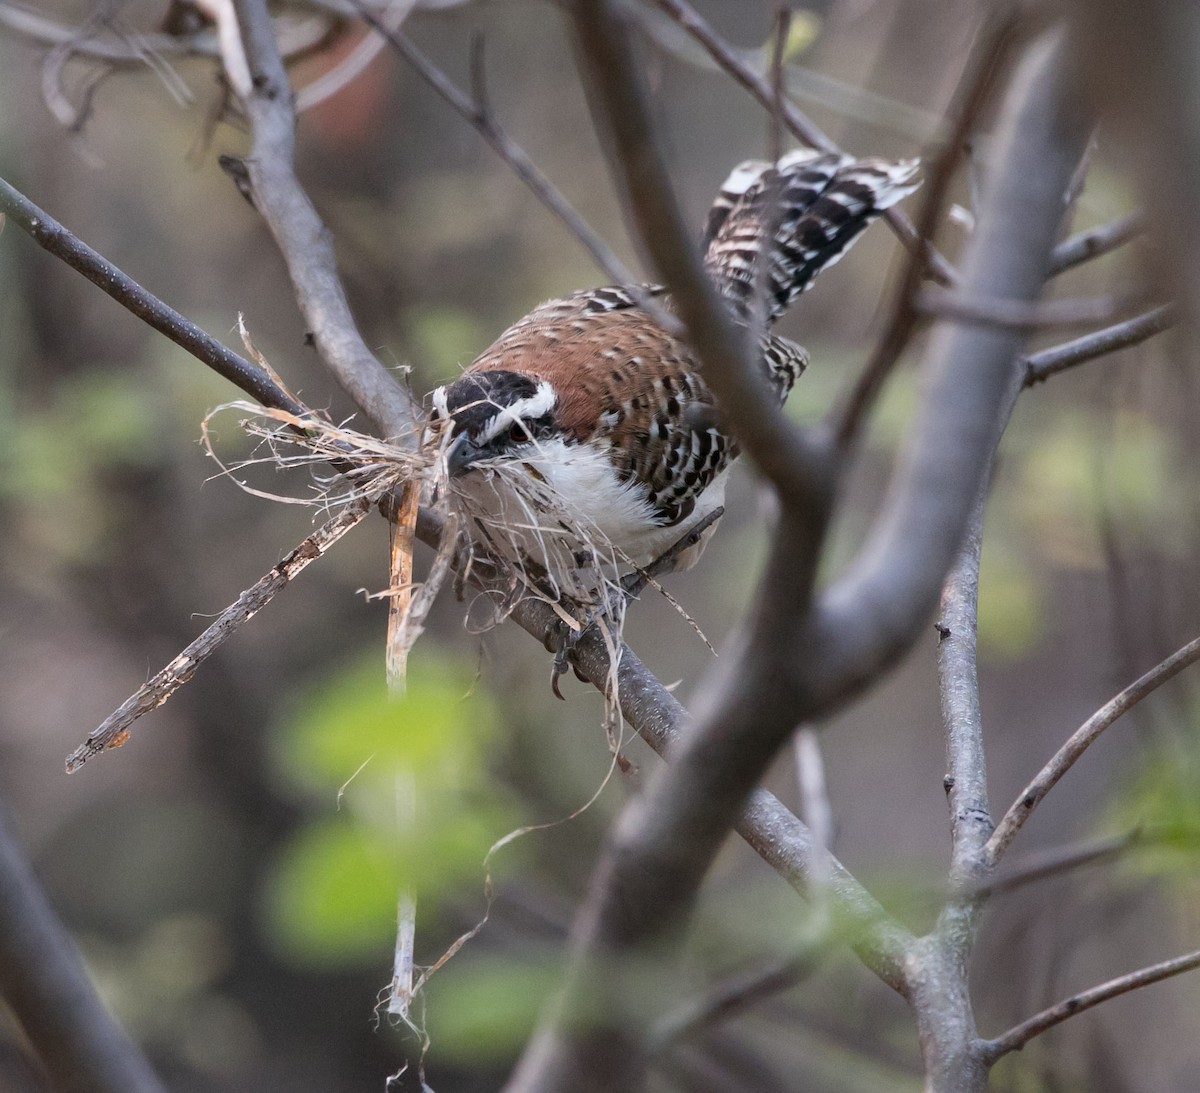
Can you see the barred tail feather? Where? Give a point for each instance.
(825, 202)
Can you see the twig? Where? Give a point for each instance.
(114, 731)
(816, 811)
(354, 64)
(43, 980)
(1016, 1038)
(1062, 761)
(972, 94)
(734, 996)
(1085, 245)
(1049, 362)
(1062, 859)
(51, 235)
(800, 125)
(480, 117)
(302, 238)
(297, 36)
(1015, 314)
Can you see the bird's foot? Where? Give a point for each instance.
(562, 639)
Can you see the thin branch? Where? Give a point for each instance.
(974, 91)
(114, 731)
(1092, 243)
(1063, 859)
(1016, 1038)
(478, 114)
(43, 980)
(732, 997)
(52, 236)
(302, 238)
(297, 36)
(799, 124)
(1087, 733)
(1049, 362)
(1008, 314)
(355, 63)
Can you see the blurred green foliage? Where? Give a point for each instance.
(485, 1010)
(403, 797)
(1161, 799)
(55, 457)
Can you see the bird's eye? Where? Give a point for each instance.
(516, 433)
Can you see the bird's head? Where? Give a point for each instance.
(494, 413)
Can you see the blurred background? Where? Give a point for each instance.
(234, 905)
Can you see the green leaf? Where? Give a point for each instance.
(333, 896)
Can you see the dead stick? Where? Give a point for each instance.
(115, 730)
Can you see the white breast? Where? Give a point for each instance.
(565, 508)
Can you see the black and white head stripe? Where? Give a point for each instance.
(485, 405)
(824, 200)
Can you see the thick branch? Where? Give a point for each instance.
(966, 766)
(43, 979)
(1016, 1038)
(782, 671)
(302, 238)
(870, 616)
(1081, 739)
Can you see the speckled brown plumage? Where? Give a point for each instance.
(594, 375)
(625, 383)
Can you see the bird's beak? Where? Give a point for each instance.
(461, 454)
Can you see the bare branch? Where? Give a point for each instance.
(480, 117)
(1016, 1038)
(355, 63)
(297, 36)
(302, 238)
(1049, 362)
(51, 235)
(1083, 737)
(43, 979)
(1085, 245)
(799, 124)
(974, 91)
(734, 996)
(966, 765)
(1062, 859)
(874, 611)
(114, 731)
(1016, 314)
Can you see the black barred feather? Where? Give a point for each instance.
(812, 206)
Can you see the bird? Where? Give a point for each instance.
(585, 441)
